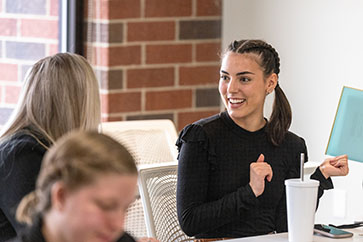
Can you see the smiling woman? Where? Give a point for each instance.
(259, 78)
(242, 93)
(232, 166)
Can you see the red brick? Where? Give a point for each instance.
(116, 55)
(168, 8)
(111, 119)
(101, 12)
(149, 31)
(39, 28)
(85, 11)
(120, 9)
(124, 55)
(54, 7)
(8, 72)
(150, 77)
(200, 29)
(104, 12)
(185, 118)
(208, 51)
(99, 56)
(53, 49)
(161, 100)
(104, 103)
(209, 7)
(8, 27)
(121, 102)
(198, 75)
(12, 94)
(168, 53)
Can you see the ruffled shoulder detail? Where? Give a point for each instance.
(191, 133)
(194, 133)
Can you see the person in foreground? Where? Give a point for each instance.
(59, 95)
(86, 183)
(232, 166)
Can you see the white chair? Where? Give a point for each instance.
(150, 142)
(157, 185)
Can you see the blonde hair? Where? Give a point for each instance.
(77, 159)
(60, 94)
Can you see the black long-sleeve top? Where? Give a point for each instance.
(33, 233)
(20, 160)
(214, 198)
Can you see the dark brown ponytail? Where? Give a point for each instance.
(280, 119)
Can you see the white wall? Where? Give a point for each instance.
(320, 43)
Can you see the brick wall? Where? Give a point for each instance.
(28, 32)
(156, 58)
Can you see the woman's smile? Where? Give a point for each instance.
(243, 88)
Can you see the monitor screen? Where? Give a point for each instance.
(346, 136)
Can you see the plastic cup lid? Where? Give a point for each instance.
(296, 182)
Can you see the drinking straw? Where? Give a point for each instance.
(302, 160)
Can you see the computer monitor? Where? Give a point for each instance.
(346, 136)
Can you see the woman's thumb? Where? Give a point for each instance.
(261, 158)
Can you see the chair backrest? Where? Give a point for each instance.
(157, 185)
(149, 141)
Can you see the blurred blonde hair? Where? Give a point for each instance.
(77, 159)
(60, 94)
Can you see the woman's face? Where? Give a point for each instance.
(96, 212)
(243, 88)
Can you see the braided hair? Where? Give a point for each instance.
(269, 61)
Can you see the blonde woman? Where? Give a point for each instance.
(84, 188)
(59, 95)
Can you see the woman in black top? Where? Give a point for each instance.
(232, 166)
(60, 94)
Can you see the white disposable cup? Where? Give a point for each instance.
(301, 204)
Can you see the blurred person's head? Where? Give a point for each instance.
(59, 94)
(84, 188)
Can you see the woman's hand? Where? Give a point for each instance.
(259, 170)
(336, 166)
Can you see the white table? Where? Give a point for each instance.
(283, 237)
